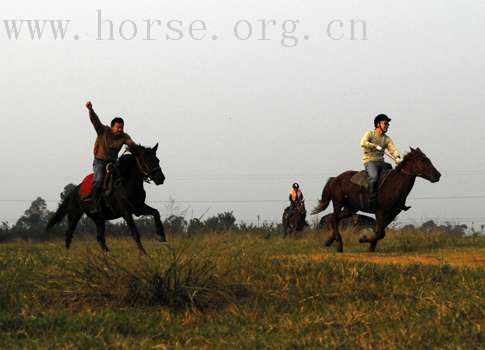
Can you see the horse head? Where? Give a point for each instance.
(416, 163)
(148, 162)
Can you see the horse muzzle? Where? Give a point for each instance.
(159, 180)
(436, 177)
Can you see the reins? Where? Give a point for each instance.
(146, 173)
(405, 172)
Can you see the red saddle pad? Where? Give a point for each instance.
(86, 186)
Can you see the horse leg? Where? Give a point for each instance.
(331, 239)
(334, 221)
(380, 230)
(380, 233)
(147, 210)
(100, 229)
(72, 220)
(134, 232)
(346, 212)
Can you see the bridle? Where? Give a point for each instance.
(145, 170)
(405, 172)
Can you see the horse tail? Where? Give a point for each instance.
(326, 198)
(62, 211)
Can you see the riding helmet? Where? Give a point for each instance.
(381, 118)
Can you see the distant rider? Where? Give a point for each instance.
(296, 195)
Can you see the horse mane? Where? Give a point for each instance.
(412, 155)
(136, 148)
(133, 151)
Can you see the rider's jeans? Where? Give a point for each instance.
(374, 170)
(99, 168)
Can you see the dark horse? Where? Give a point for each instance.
(354, 222)
(296, 221)
(127, 197)
(348, 198)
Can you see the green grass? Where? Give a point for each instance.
(241, 291)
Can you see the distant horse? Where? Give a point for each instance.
(127, 197)
(349, 198)
(296, 220)
(355, 222)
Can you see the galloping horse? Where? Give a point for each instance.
(348, 198)
(296, 221)
(127, 197)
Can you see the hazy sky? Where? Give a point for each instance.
(241, 120)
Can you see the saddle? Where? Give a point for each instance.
(362, 179)
(86, 187)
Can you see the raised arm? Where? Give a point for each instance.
(94, 118)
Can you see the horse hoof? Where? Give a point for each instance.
(163, 239)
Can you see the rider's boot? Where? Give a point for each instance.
(372, 195)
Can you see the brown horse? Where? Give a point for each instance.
(348, 198)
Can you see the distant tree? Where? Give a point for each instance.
(459, 230)
(195, 226)
(221, 222)
(428, 226)
(5, 231)
(227, 220)
(408, 227)
(175, 224)
(32, 224)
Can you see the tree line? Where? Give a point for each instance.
(31, 225)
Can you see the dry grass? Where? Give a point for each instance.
(245, 291)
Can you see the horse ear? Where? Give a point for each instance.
(412, 149)
(417, 149)
(154, 149)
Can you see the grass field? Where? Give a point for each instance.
(245, 291)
